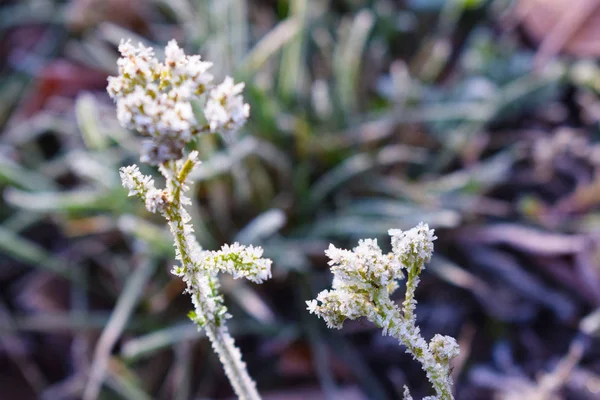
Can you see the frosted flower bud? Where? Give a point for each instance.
(137, 62)
(365, 266)
(155, 98)
(240, 261)
(414, 246)
(338, 305)
(225, 109)
(135, 181)
(156, 200)
(443, 348)
(174, 54)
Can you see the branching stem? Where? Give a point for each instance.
(216, 331)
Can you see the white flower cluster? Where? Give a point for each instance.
(240, 261)
(225, 110)
(338, 305)
(365, 273)
(156, 200)
(365, 267)
(363, 280)
(414, 246)
(155, 99)
(444, 348)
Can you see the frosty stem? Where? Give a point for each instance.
(216, 331)
(402, 326)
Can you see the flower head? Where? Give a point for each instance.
(414, 246)
(338, 305)
(443, 348)
(240, 261)
(225, 109)
(365, 267)
(156, 200)
(155, 98)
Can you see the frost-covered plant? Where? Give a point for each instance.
(155, 99)
(364, 279)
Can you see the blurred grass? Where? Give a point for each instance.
(366, 115)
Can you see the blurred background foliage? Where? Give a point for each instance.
(477, 117)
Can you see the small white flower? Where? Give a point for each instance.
(136, 62)
(197, 72)
(311, 306)
(156, 200)
(154, 98)
(185, 70)
(225, 109)
(193, 156)
(174, 55)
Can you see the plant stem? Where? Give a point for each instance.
(412, 281)
(217, 332)
(231, 358)
(409, 335)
